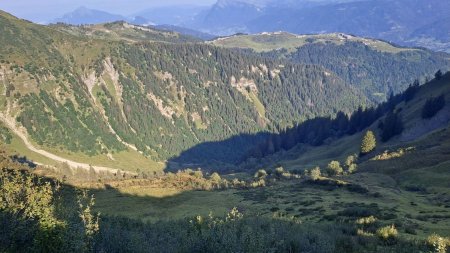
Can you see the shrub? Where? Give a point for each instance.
(315, 173)
(279, 171)
(286, 175)
(361, 232)
(351, 159)
(334, 168)
(368, 142)
(258, 183)
(352, 168)
(198, 173)
(261, 174)
(215, 177)
(350, 163)
(366, 220)
(387, 233)
(234, 215)
(438, 243)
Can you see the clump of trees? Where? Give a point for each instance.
(391, 126)
(318, 130)
(350, 163)
(368, 143)
(438, 75)
(411, 91)
(36, 216)
(433, 106)
(334, 168)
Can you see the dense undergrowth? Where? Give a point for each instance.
(42, 215)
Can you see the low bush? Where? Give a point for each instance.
(387, 233)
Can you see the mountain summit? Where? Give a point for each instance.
(83, 15)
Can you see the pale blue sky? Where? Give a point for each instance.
(45, 10)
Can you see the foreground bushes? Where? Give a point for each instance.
(236, 233)
(36, 215)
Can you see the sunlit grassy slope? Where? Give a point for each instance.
(272, 41)
(122, 31)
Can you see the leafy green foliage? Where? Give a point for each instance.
(35, 218)
(5, 135)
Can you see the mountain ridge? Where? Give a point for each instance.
(67, 80)
(394, 20)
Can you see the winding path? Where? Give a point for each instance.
(22, 134)
(9, 122)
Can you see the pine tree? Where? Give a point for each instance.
(432, 106)
(438, 75)
(368, 143)
(392, 126)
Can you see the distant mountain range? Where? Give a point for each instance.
(173, 18)
(408, 22)
(83, 15)
(180, 15)
(422, 23)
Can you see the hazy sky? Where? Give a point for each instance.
(45, 10)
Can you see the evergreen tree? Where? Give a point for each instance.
(368, 143)
(433, 106)
(392, 126)
(409, 93)
(438, 75)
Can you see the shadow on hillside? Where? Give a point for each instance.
(228, 154)
(222, 155)
(232, 154)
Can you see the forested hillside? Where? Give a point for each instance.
(376, 67)
(400, 123)
(99, 96)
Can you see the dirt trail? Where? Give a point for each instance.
(9, 122)
(21, 133)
